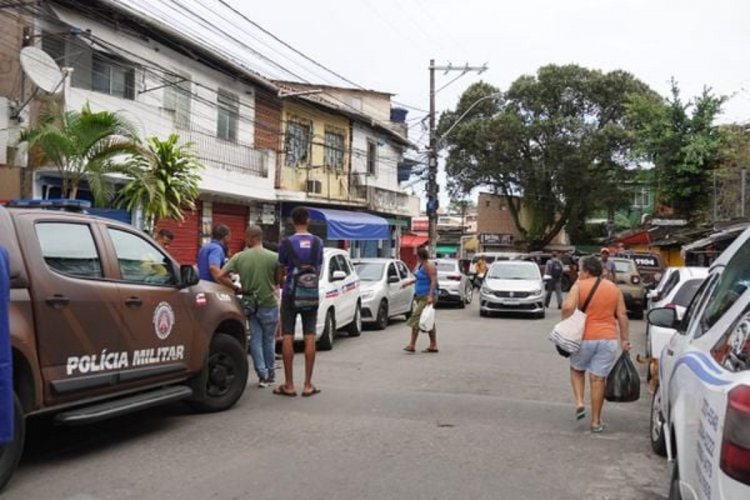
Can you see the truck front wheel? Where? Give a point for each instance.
(224, 377)
(10, 453)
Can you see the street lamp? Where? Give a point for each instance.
(494, 95)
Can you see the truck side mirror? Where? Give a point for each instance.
(188, 276)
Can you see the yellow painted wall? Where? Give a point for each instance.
(334, 183)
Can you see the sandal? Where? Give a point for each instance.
(597, 429)
(580, 412)
(313, 392)
(281, 391)
(431, 349)
(409, 349)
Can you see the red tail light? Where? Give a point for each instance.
(454, 277)
(635, 279)
(735, 448)
(671, 306)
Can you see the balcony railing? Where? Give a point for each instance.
(224, 155)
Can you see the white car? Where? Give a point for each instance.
(512, 286)
(677, 292)
(454, 287)
(700, 411)
(340, 303)
(387, 290)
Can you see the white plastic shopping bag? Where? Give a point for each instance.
(427, 319)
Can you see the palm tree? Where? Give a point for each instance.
(164, 181)
(85, 145)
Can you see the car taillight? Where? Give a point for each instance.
(635, 279)
(735, 447)
(671, 306)
(454, 277)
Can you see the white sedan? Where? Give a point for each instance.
(340, 303)
(387, 290)
(677, 292)
(512, 286)
(700, 411)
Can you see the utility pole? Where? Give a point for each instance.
(432, 163)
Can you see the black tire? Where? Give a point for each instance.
(10, 453)
(541, 315)
(329, 333)
(381, 321)
(656, 429)
(469, 294)
(483, 313)
(224, 377)
(674, 483)
(355, 327)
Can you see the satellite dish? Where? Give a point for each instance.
(42, 69)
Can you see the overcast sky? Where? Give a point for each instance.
(387, 44)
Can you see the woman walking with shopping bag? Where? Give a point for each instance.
(425, 292)
(606, 316)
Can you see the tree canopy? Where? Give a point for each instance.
(555, 143)
(682, 142)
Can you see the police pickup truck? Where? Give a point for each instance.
(103, 322)
(700, 411)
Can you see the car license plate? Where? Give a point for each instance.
(511, 302)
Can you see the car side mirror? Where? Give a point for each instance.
(665, 317)
(188, 276)
(393, 279)
(338, 276)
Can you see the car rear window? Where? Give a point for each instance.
(447, 267)
(624, 266)
(685, 294)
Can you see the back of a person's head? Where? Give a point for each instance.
(219, 231)
(592, 265)
(422, 253)
(300, 216)
(166, 233)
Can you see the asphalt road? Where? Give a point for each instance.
(489, 417)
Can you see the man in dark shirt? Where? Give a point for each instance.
(302, 244)
(212, 255)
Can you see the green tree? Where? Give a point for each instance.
(734, 155)
(84, 145)
(555, 142)
(165, 181)
(681, 141)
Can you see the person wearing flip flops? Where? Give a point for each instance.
(300, 252)
(425, 291)
(605, 317)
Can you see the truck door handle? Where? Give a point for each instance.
(133, 302)
(58, 301)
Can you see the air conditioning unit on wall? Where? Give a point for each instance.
(314, 186)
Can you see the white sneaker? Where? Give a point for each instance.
(263, 383)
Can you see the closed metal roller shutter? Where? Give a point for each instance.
(187, 235)
(235, 217)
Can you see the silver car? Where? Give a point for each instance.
(455, 287)
(512, 286)
(387, 290)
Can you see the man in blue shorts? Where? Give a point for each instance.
(307, 251)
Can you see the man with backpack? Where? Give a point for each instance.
(554, 270)
(300, 261)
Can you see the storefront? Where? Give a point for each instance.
(187, 235)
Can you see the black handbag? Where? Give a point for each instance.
(249, 301)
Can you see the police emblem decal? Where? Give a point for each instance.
(163, 320)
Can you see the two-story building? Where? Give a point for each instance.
(123, 60)
(340, 150)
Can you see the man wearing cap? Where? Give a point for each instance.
(608, 267)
